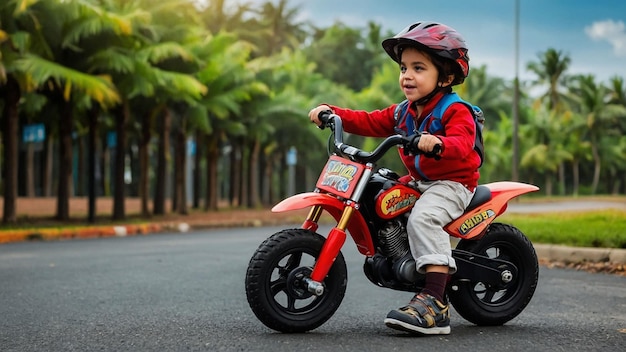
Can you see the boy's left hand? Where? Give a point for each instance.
(428, 142)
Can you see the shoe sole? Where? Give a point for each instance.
(400, 325)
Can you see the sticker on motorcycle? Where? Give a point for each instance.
(396, 200)
(475, 220)
(340, 176)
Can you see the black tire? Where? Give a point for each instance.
(273, 285)
(483, 305)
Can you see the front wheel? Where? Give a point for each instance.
(482, 304)
(275, 288)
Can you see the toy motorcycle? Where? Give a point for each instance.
(297, 278)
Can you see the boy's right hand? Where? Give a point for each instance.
(314, 114)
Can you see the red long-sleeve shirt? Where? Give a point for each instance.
(459, 161)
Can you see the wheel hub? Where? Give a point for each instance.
(507, 276)
(296, 285)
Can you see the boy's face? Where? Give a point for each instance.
(418, 75)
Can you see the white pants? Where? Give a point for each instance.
(440, 203)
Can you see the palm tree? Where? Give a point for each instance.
(486, 92)
(16, 19)
(548, 151)
(230, 78)
(36, 60)
(218, 18)
(278, 28)
(574, 128)
(601, 118)
(551, 72)
(342, 54)
(618, 96)
(144, 63)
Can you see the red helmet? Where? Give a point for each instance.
(442, 41)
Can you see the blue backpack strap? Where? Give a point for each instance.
(400, 114)
(439, 110)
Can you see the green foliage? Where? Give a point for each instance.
(342, 53)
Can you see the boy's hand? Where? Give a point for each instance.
(428, 142)
(314, 113)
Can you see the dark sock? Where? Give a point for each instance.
(436, 285)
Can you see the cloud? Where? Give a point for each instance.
(610, 31)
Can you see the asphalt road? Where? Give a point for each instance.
(173, 292)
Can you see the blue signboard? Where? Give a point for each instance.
(111, 139)
(35, 133)
(292, 156)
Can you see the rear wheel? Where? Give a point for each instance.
(482, 304)
(274, 282)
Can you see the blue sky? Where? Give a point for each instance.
(592, 33)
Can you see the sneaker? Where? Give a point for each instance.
(423, 315)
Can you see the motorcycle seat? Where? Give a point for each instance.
(481, 195)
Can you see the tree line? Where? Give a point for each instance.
(130, 92)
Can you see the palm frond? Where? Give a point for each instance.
(98, 88)
(112, 59)
(179, 84)
(167, 50)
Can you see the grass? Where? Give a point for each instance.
(603, 228)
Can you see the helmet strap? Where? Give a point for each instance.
(423, 100)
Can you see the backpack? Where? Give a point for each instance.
(439, 110)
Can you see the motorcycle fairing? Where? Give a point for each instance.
(395, 201)
(475, 222)
(357, 226)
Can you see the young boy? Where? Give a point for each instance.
(432, 58)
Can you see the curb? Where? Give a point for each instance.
(46, 234)
(564, 254)
(570, 255)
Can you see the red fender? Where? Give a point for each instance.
(476, 221)
(357, 226)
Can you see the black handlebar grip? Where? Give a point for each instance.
(436, 150)
(324, 116)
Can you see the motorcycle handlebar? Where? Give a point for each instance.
(333, 121)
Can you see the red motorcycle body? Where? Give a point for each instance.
(400, 199)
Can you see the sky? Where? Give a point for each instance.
(592, 33)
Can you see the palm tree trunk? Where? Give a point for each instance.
(10, 139)
(121, 118)
(47, 174)
(65, 161)
(197, 170)
(562, 181)
(266, 188)
(91, 175)
(180, 171)
(235, 173)
(254, 200)
(244, 161)
(144, 181)
(212, 159)
(575, 177)
(616, 186)
(30, 163)
(596, 165)
(106, 171)
(79, 189)
(283, 177)
(163, 158)
(549, 184)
